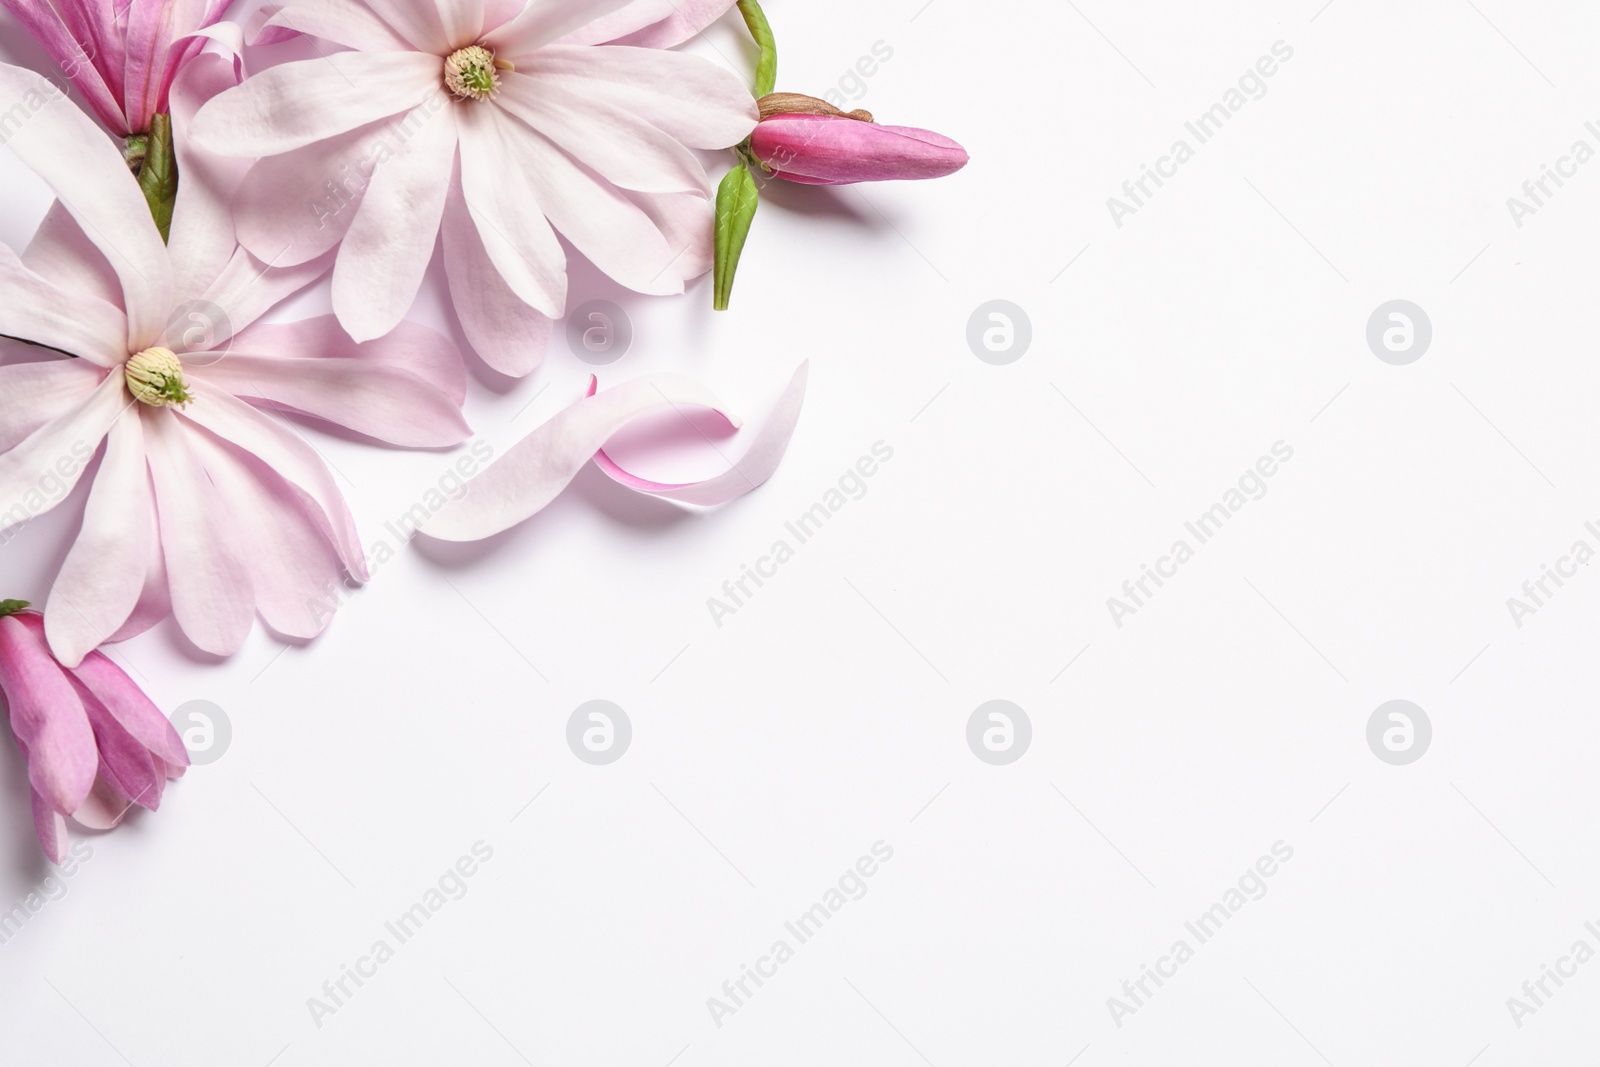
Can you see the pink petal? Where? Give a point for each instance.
(104, 808)
(347, 22)
(687, 222)
(387, 249)
(77, 324)
(823, 149)
(202, 234)
(77, 60)
(382, 402)
(63, 255)
(294, 207)
(124, 763)
(298, 104)
(212, 598)
(544, 21)
(103, 575)
(642, 24)
(295, 574)
(506, 332)
(40, 472)
(417, 21)
(287, 453)
(37, 393)
(152, 29)
(78, 161)
(133, 710)
(622, 148)
(410, 347)
(759, 463)
(248, 289)
(696, 101)
(598, 219)
(51, 828)
(461, 21)
(48, 718)
(505, 208)
(535, 470)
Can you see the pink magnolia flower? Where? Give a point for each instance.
(498, 124)
(844, 149)
(121, 54)
(204, 502)
(95, 744)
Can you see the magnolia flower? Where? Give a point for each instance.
(806, 140)
(204, 502)
(497, 124)
(94, 743)
(121, 54)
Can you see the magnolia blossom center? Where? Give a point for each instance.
(155, 377)
(471, 74)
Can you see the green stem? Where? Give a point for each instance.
(761, 30)
(158, 173)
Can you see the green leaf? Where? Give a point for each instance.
(761, 30)
(158, 174)
(737, 200)
(11, 607)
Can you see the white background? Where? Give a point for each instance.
(830, 712)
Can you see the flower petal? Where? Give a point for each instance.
(390, 405)
(644, 25)
(33, 309)
(387, 249)
(103, 575)
(51, 827)
(347, 22)
(63, 255)
(38, 474)
(505, 208)
(622, 148)
(286, 453)
(502, 328)
(415, 20)
(758, 464)
(602, 223)
(76, 52)
(212, 598)
(410, 347)
(47, 716)
(202, 235)
(76, 159)
(129, 705)
(698, 102)
(37, 393)
(298, 104)
(535, 470)
(544, 21)
(245, 290)
(293, 207)
(124, 763)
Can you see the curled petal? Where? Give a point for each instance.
(534, 471)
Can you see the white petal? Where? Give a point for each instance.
(506, 333)
(38, 474)
(33, 309)
(544, 21)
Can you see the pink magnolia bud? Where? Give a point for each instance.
(802, 139)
